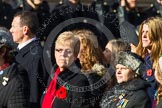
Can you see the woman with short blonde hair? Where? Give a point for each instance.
(66, 87)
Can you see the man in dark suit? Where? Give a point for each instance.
(24, 28)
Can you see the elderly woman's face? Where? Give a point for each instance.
(64, 55)
(123, 74)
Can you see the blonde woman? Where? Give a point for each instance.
(67, 86)
(149, 48)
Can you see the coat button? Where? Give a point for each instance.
(5, 17)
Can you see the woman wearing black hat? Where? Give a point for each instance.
(14, 87)
(129, 92)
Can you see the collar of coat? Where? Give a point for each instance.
(133, 85)
(31, 47)
(68, 73)
(128, 87)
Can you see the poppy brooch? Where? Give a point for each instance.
(149, 72)
(61, 93)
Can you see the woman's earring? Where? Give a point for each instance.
(135, 75)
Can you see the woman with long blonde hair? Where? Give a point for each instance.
(149, 48)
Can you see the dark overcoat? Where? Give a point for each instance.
(78, 93)
(30, 57)
(15, 93)
(127, 95)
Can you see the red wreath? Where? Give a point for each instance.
(61, 93)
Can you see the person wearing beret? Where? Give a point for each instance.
(129, 92)
(14, 83)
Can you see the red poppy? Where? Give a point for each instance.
(149, 72)
(61, 93)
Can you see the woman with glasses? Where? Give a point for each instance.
(68, 87)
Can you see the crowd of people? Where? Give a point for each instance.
(80, 56)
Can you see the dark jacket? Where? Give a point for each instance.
(134, 17)
(78, 93)
(30, 57)
(154, 10)
(15, 94)
(127, 95)
(150, 78)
